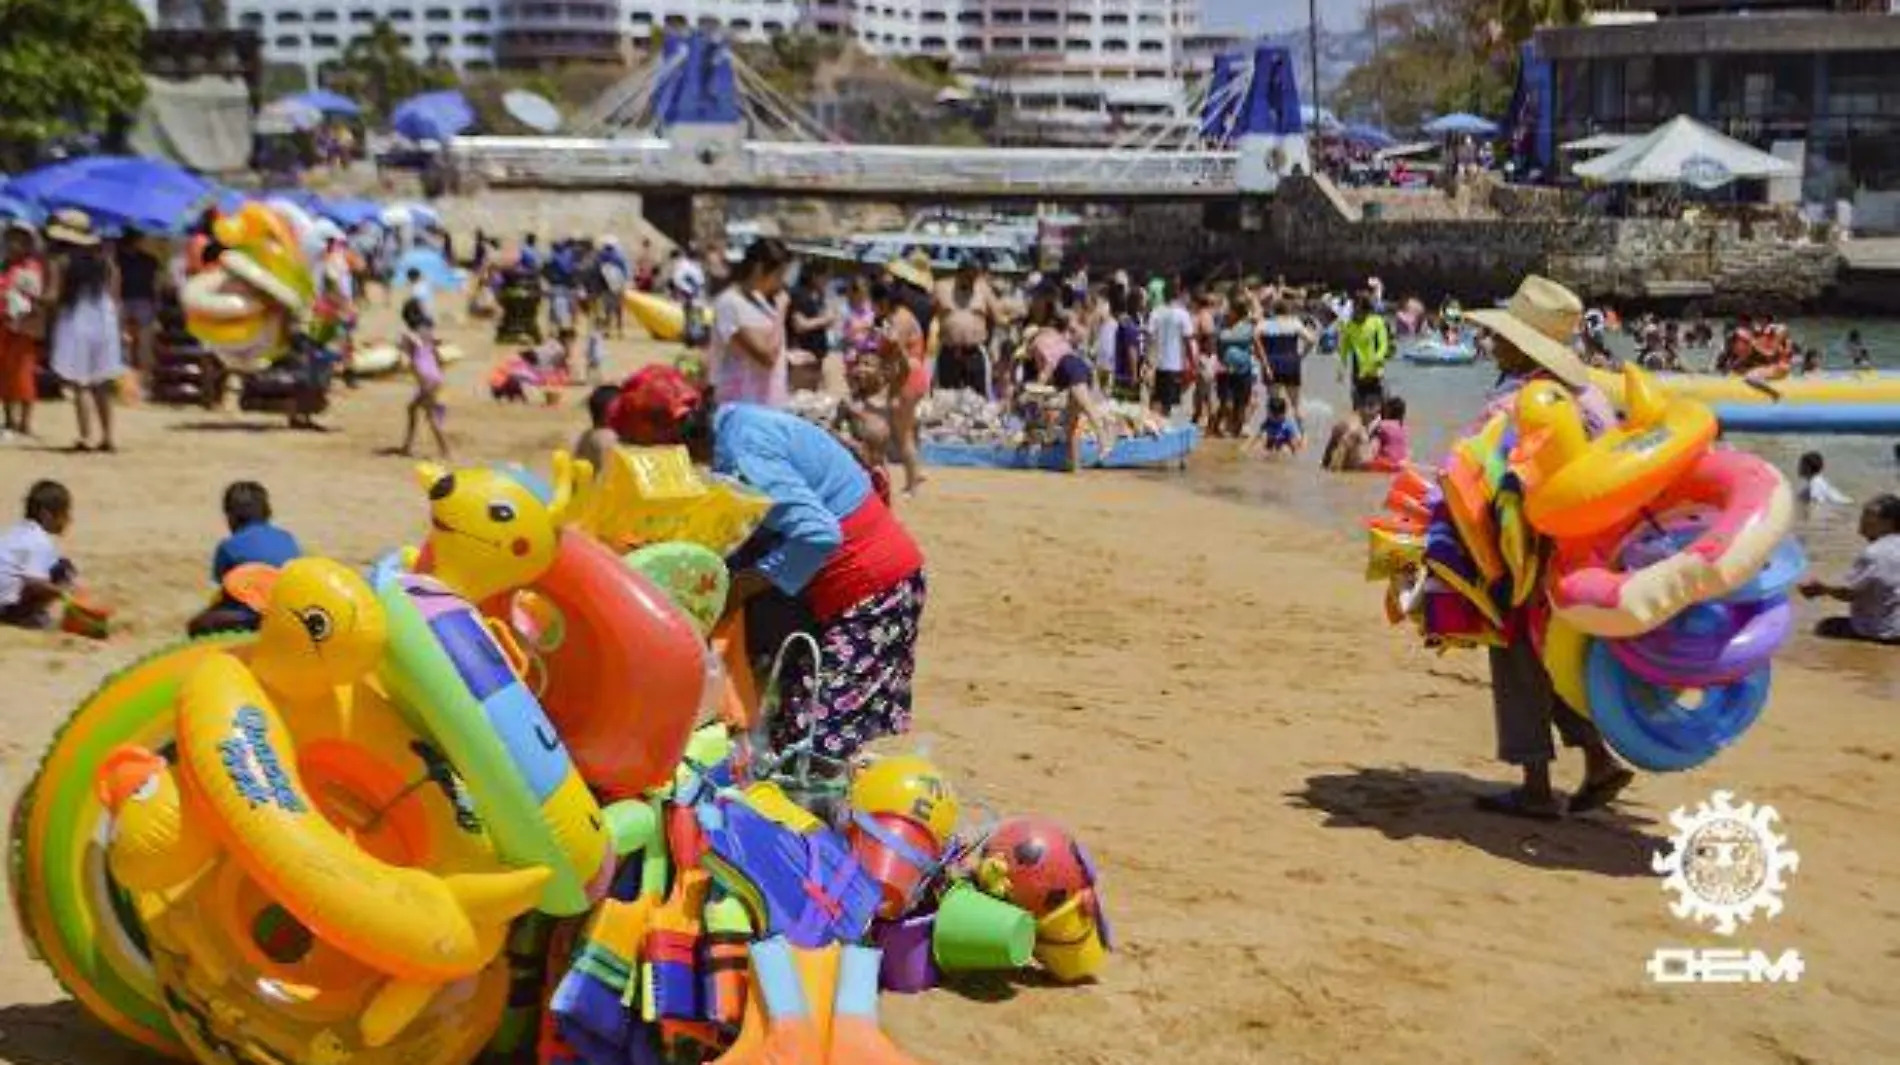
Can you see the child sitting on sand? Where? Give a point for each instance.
(425, 362)
(1350, 445)
(1872, 585)
(599, 440)
(253, 539)
(33, 576)
(1280, 432)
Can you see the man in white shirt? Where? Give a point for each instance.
(32, 575)
(689, 279)
(1172, 329)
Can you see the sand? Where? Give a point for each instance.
(1277, 786)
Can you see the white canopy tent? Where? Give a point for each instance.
(1683, 151)
(1599, 142)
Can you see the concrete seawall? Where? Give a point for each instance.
(1308, 232)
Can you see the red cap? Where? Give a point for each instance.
(651, 406)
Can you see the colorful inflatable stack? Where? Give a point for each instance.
(244, 305)
(1650, 566)
(500, 797)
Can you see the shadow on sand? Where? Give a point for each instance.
(1406, 803)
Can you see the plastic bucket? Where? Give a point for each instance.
(898, 852)
(976, 932)
(1069, 941)
(908, 967)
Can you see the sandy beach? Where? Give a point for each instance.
(1277, 786)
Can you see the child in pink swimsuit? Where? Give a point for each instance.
(425, 363)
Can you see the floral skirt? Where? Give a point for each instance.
(868, 657)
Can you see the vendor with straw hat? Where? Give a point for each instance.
(1533, 333)
(830, 543)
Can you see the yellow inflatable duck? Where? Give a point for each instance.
(1575, 487)
(272, 880)
(490, 530)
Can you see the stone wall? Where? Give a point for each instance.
(1308, 233)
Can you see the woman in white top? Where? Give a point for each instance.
(88, 351)
(748, 350)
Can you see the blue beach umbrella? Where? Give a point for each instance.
(323, 101)
(1461, 124)
(1365, 136)
(433, 116)
(352, 212)
(119, 191)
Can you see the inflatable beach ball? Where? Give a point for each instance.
(1034, 863)
(910, 786)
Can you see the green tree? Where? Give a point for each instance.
(1439, 56)
(67, 67)
(376, 71)
(1521, 18)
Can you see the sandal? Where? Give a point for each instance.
(1597, 794)
(79, 447)
(1513, 803)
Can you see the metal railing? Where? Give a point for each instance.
(785, 166)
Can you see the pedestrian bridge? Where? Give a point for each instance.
(653, 164)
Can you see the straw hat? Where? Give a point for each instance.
(72, 227)
(1540, 321)
(912, 269)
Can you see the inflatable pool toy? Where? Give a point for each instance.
(450, 671)
(497, 531)
(654, 495)
(1859, 419)
(1857, 388)
(910, 786)
(1654, 729)
(662, 318)
(1171, 447)
(1709, 644)
(694, 577)
(1034, 863)
(244, 307)
(1575, 487)
(1750, 510)
(68, 908)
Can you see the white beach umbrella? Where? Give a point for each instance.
(1683, 151)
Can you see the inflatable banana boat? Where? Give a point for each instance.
(1860, 402)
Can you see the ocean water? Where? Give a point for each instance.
(1441, 401)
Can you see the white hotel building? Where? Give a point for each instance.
(1085, 63)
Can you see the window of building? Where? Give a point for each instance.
(906, 42)
(362, 16)
(935, 17)
(742, 25)
(774, 28)
(1153, 47)
(1043, 16)
(401, 14)
(1079, 44)
(969, 44)
(1113, 19)
(970, 18)
(1044, 44)
(324, 17)
(323, 40)
(1081, 18)
(476, 40)
(708, 22)
(439, 14)
(287, 42)
(1112, 45)
(253, 20)
(475, 14)
(1007, 44)
(439, 40)
(676, 22)
(406, 40)
(935, 44)
(1149, 18)
(643, 18)
(1007, 17)
(290, 17)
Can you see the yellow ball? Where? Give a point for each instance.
(910, 786)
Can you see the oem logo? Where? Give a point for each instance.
(1726, 864)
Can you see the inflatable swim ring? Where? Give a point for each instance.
(447, 670)
(73, 915)
(1654, 728)
(1576, 488)
(1709, 644)
(1750, 510)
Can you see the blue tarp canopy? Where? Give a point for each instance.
(1461, 123)
(433, 116)
(351, 213)
(1533, 109)
(1365, 136)
(697, 85)
(325, 102)
(119, 192)
(1255, 95)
